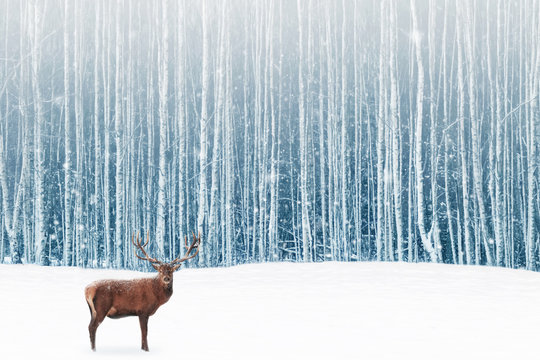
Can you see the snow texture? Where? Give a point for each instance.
(284, 311)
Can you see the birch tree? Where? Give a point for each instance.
(35, 16)
(306, 226)
(163, 59)
(426, 236)
(202, 199)
(303, 131)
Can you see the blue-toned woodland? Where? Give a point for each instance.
(298, 130)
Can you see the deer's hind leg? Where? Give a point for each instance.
(89, 294)
(97, 316)
(92, 327)
(95, 321)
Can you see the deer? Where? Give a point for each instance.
(137, 297)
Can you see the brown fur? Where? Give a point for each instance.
(120, 298)
(139, 297)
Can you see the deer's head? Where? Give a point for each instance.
(166, 269)
(165, 272)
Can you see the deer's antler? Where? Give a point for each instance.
(139, 246)
(194, 245)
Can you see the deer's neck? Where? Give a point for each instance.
(164, 291)
(169, 289)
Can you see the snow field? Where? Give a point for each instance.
(283, 311)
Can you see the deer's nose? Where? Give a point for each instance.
(166, 279)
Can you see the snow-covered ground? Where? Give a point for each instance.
(284, 311)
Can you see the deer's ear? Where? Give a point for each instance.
(176, 267)
(155, 267)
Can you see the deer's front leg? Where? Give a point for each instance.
(143, 320)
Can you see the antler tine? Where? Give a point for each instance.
(177, 259)
(194, 245)
(139, 246)
(136, 246)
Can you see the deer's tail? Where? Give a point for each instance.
(89, 293)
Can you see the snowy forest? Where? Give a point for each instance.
(308, 130)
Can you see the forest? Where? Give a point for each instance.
(305, 131)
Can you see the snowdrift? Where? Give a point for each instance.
(284, 311)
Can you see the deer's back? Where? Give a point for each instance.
(120, 298)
